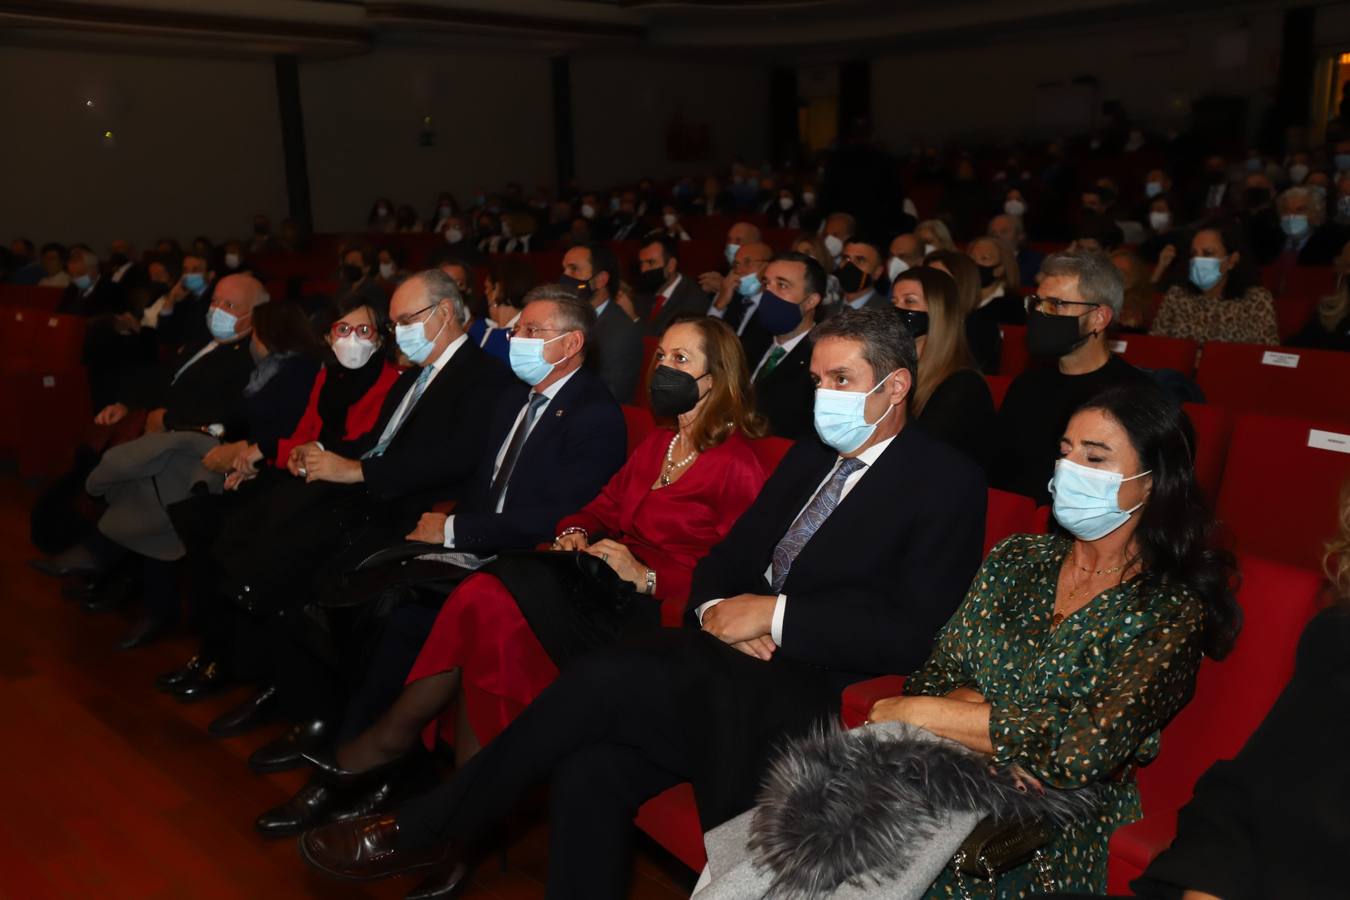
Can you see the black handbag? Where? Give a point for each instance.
(996, 847)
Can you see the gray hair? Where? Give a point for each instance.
(887, 344)
(441, 286)
(1099, 281)
(574, 314)
(1317, 204)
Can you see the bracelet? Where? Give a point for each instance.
(575, 529)
(651, 582)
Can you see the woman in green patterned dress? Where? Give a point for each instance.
(1073, 649)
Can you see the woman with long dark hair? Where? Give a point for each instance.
(1223, 299)
(1074, 648)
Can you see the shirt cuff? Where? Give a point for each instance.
(715, 312)
(699, 611)
(776, 629)
(450, 531)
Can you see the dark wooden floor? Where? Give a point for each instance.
(110, 789)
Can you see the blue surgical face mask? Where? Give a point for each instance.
(1206, 271)
(221, 324)
(1087, 500)
(82, 282)
(776, 315)
(195, 282)
(731, 251)
(1153, 189)
(527, 358)
(1294, 226)
(413, 340)
(1342, 162)
(841, 417)
(749, 286)
(1254, 164)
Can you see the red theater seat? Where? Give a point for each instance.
(1250, 378)
(771, 451)
(1279, 494)
(1230, 700)
(1213, 428)
(671, 819)
(1149, 352)
(1008, 514)
(998, 387)
(34, 297)
(1014, 358)
(640, 424)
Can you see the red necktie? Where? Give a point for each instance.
(656, 307)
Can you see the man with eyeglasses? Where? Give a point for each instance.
(1080, 295)
(552, 449)
(739, 297)
(429, 439)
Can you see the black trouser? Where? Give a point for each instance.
(605, 733)
(401, 641)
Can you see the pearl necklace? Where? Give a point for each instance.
(670, 467)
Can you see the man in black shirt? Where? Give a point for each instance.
(1080, 295)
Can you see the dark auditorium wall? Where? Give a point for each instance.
(623, 107)
(491, 113)
(195, 145)
(1018, 84)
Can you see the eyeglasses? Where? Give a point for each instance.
(346, 329)
(532, 331)
(1053, 306)
(411, 317)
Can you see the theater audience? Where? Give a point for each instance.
(592, 273)
(504, 289)
(951, 400)
(1000, 281)
(1079, 297)
(54, 266)
(1073, 649)
(1224, 300)
(739, 235)
(934, 236)
(662, 291)
(1329, 326)
(813, 246)
(89, 292)
(837, 231)
(858, 272)
(833, 573)
(381, 219)
(504, 635)
(1009, 228)
(982, 332)
(1136, 313)
(739, 295)
(789, 310)
(358, 274)
(1162, 230)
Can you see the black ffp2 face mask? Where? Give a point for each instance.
(673, 393)
(1049, 335)
(852, 279)
(650, 281)
(581, 288)
(915, 320)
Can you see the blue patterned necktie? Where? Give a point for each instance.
(498, 489)
(396, 422)
(810, 520)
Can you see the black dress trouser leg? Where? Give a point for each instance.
(605, 733)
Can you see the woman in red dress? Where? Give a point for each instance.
(622, 564)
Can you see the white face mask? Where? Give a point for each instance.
(1159, 221)
(352, 352)
(1015, 208)
(785, 203)
(387, 270)
(231, 260)
(453, 235)
(833, 245)
(809, 197)
(895, 266)
(587, 211)
(929, 248)
(669, 219)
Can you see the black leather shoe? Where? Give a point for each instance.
(325, 763)
(147, 631)
(286, 752)
(375, 798)
(365, 849)
(63, 566)
(170, 680)
(206, 683)
(445, 883)
(311, 805)
(254, 712)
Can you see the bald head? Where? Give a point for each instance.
(743, 233)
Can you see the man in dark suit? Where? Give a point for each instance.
(794, 285)
(592, 272)
(552, 452)
(432, 434)
(663, 292)
(739, 294)
(847, 564)
(89, 293)
(197, 394)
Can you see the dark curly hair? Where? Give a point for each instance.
(1176, 535)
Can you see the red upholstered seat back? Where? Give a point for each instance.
(1276, 380)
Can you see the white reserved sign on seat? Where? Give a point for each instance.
(1329, 440)
(1287, 360)
(1117, 346)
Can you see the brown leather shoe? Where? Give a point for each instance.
(365, 849)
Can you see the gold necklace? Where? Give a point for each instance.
(1056, 617)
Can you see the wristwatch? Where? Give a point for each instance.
(651, 582)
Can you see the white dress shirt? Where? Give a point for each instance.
(402, 410)
(751, 304)
(549, 393)
(860, 302)
(998, 292)
(868, 457)
(788, 346)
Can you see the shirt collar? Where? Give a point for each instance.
(552, 390)
(791, 343)
(862, 301)
(998, 292)
(444, 358)
(669, 289)
(601, 308)
(869, 456)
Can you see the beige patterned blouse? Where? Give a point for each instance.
(1071, 705)
(1249, 319)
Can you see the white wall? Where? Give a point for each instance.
(492, 115)
(1156, 68)
(197, 147)
(623, 106)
